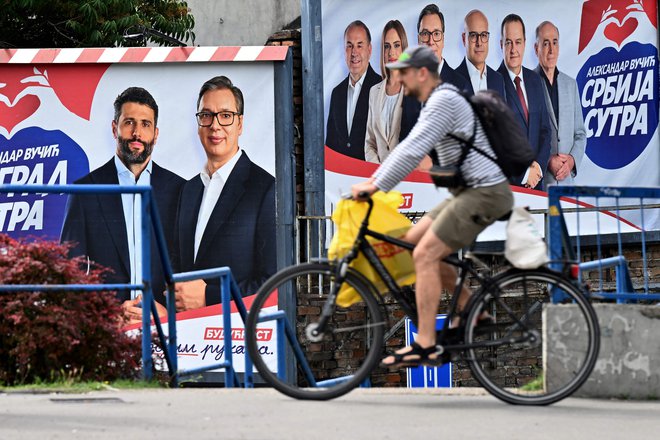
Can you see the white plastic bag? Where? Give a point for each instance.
(525, 247)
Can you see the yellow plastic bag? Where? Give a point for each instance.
(386, 219)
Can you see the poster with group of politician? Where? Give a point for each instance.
(587, 93)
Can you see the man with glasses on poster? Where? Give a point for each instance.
(226, 214)
(475, 39)
(431, 32)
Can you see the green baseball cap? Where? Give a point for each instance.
(418, 56)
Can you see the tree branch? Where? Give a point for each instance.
(73, 40)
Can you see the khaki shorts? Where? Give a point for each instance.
(458, 220)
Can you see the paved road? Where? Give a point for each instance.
(363, 414)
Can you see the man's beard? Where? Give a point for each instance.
(413, 93)
(129, 157)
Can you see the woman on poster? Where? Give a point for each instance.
(391, 113)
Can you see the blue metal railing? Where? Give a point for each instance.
(561, 247)
(150, 217)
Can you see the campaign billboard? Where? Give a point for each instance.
(608, 48)
(58, 124)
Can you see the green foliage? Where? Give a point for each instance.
(59, 336)
(91, 23)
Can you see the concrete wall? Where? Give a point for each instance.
(240, 22)
(629, 361)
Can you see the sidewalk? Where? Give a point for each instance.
(205, 413)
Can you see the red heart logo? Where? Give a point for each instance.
(618, 34)
(23, 109)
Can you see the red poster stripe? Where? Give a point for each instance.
(46, 56)
(178, 54)
(215, 310)
(273, 53)
(135, 55)
(225, 53)
(338, 163)
(90, 55)
(6, 55)
(138, 54)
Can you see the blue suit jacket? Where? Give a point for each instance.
(450, 76)
(538, 128)
(337, 136)
(494, 80)
(95, 224)
(409, 115)
(240, 233)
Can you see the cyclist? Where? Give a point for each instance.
(454, 223)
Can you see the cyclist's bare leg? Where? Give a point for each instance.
(428, 253)
(448, 272)
(427, 256)
(418, 230)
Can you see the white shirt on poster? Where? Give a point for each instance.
(352, 99)
(213, 186)
(478, 79)
(132, 205)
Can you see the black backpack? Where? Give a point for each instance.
(506, 137)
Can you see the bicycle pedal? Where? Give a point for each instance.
(451, 337)
(443, 358)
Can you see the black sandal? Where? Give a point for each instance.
(421, 357)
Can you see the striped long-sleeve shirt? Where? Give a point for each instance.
(446, 112)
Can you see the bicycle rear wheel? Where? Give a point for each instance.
(326, 365)
(543, 345)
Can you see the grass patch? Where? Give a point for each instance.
(74, 386)
(534, 385)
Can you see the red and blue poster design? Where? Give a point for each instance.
(41, 153)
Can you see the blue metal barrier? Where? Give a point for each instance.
(561, 247)
(150, 217)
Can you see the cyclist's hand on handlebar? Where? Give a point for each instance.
(361, 191)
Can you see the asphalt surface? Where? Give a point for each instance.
(213, 413)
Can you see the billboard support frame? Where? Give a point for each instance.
(312, 79)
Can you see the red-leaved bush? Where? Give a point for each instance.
(58, 335)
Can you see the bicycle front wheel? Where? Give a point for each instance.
(543, 343)
(291, 356)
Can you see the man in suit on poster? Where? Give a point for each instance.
(349, 102)
(107, 228)
(474, 68)
(524, 94)
(226, 214)
(431, 32)
(562, 99)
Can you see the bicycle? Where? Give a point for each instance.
(334, 349)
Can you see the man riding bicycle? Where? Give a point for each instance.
(454, 223)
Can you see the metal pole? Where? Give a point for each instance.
(147, 294)
(312, 62)
(225, 297)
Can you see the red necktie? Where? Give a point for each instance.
(521, 97)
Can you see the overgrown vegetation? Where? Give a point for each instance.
(59, 336)
(91, 23)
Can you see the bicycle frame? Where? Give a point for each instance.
(363, 245)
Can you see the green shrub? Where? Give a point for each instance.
(51, 336)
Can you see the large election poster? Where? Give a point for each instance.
(609, 47)
(56, 115)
